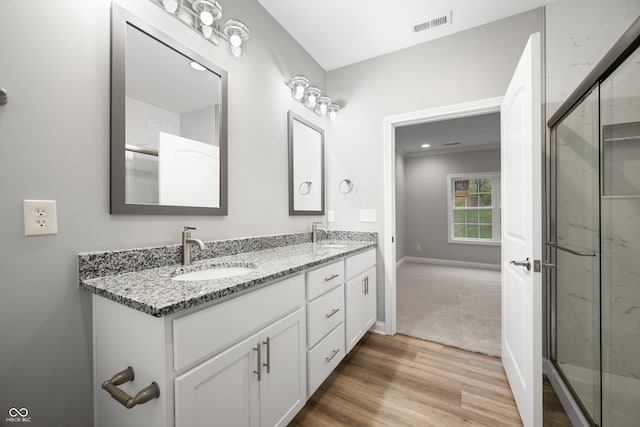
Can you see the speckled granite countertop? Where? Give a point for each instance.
(153, 292)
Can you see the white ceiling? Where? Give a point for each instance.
(342, 32)
(473, 133)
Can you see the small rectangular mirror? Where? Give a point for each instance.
(168, 124)
(306, 167)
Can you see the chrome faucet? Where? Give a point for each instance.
(314, 231)
(187, 241)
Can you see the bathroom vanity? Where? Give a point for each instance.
(246, 350)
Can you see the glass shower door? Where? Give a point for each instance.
(576, 293)
(620, 118)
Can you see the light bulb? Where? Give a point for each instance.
(170, 6)
(323, 109)
(312, 100)
(207, 31)
(206, 17)
(236, 51)
(299, 92)
(333, 115)
(235, 40)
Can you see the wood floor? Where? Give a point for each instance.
(403, 381)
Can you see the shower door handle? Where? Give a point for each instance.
(526, 263)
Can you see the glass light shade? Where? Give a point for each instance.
(299, 92)
(171, 6)
(333, 111)
(207, 31)
(323, 104)
(236, 51)
(312, 93)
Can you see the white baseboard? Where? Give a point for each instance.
(568, 403)
(400, 261)
(452, 262)
(378, 328)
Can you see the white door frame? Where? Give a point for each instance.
(473, 108)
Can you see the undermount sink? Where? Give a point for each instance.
(212, 273)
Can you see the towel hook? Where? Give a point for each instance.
(4, 96)
(345, 186)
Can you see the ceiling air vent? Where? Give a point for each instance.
(444, 19)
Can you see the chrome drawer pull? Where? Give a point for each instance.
(333, 276)
(259, 365)
(330, 358)
(334, 311)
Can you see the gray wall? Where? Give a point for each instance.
(426, 205)
(54, 144)
(467, 66)
(401, 214)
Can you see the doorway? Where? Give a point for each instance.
(448, 232)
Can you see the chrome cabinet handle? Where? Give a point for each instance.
(366, 281)
(334, 311)
(333, 276)
(151, 391)
(330, 358)
(526, 263)
(268, 364)
(259, 371)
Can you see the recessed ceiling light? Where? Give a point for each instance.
(426, 145)
(196, 66)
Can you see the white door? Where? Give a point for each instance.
(283, 386)
(223, 391)
(521, 130)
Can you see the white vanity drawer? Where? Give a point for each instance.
(356, 264)
(324, 313)
(205, 332)
(324, 357)
(324, 278)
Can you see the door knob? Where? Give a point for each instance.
(526, 263)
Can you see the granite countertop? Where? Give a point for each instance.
(153, 292)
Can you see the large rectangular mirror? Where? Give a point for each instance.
(306, 167)
(168, 124)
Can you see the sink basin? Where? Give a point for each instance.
(213, 273)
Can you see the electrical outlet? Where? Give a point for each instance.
(368, 215)
(331, 217)
(40, 217)
(418, 247)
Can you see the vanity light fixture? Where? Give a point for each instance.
(203, 16)
(312, 97)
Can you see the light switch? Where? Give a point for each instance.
(368, 215)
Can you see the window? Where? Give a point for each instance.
(474, 208)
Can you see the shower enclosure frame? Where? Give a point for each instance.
(621, 51)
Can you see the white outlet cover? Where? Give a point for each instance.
(368, 215)
(40, 217)
(331, 217)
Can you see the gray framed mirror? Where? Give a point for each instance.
(168, 124)
(306, 166)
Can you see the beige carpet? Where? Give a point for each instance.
(456, 306)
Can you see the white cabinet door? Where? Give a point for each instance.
(283, 386)
(223, 391)
(370, 300)
(361, 306)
